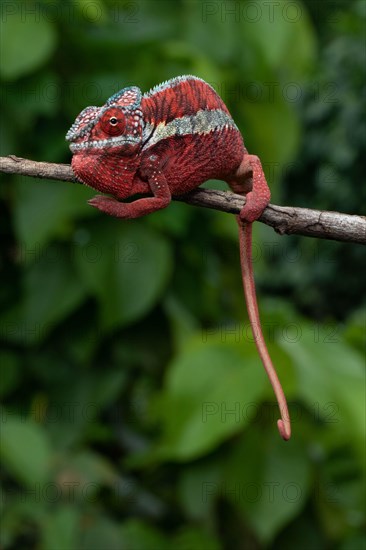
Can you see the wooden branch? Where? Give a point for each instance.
(284, 219)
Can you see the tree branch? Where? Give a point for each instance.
(284, 219)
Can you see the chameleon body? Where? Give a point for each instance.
(168, 142)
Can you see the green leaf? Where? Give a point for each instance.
(183, 324)
(198, 488)
(262, 122)
(59, 529)
(126, 266)
(96, 13)
(137, 535)
(292, 38)
(268, 480)
(53, 290)
(211, 391)
(100, 532)
(354, 542)
(25, 450)
(91, 470)
(10, 373)
(191, 537)
(27, 41)
(340, 495)
(44, 209)
(202, 22)
(354, 330)
(108, 385)
(173, 220)
(331, 380)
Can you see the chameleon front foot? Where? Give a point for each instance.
(129, 210)
(109, 205)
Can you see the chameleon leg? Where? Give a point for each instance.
(251, 181)
(140, 207)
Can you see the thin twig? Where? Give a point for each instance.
(283, 219)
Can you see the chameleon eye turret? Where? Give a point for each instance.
(113, 122)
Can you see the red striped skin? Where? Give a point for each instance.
(187, 161)
(108, 173)
(187, 98)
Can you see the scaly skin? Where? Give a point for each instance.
(168, 142)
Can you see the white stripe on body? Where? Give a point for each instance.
(203, 122)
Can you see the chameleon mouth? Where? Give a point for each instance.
(103, 143)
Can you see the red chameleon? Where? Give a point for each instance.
(168, 142)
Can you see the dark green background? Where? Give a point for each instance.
(136, 414)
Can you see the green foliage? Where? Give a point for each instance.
(204, 376)
(330, 170)
(25, 450)
(135, 411)
(35, 43)
(130, 254)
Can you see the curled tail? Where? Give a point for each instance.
(245, 238)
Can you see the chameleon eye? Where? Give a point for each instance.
(113, 122)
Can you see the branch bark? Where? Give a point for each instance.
(283, 219)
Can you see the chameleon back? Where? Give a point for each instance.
(189, 127)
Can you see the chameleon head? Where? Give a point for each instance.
(116, 127)
(107, 138)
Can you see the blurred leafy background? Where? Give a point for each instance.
(135, 411)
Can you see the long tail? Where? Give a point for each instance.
(245, 238)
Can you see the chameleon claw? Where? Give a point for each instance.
(97, 199)
(101, 201)
(108, 205)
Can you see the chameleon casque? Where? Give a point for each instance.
(167, 142)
